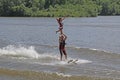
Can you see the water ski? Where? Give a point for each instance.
(72, 61)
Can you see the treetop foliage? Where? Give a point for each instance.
(59, 8)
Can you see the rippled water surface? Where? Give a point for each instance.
(31, 44)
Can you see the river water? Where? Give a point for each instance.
(31, 44)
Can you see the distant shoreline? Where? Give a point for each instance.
(57, 16)
(59, 8)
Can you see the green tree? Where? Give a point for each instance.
(53, 8)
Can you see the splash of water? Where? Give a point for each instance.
(19, 51)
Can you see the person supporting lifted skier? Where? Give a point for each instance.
(62, 39)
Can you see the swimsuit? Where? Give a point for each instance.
(62, 44)
(61, 26)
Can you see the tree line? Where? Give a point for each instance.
(59, 8)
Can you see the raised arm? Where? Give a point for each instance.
(58, 19)
(63, 18)
(65, 37)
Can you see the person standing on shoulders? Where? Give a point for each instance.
(59, 20)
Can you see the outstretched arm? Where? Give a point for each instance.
(63, 18)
